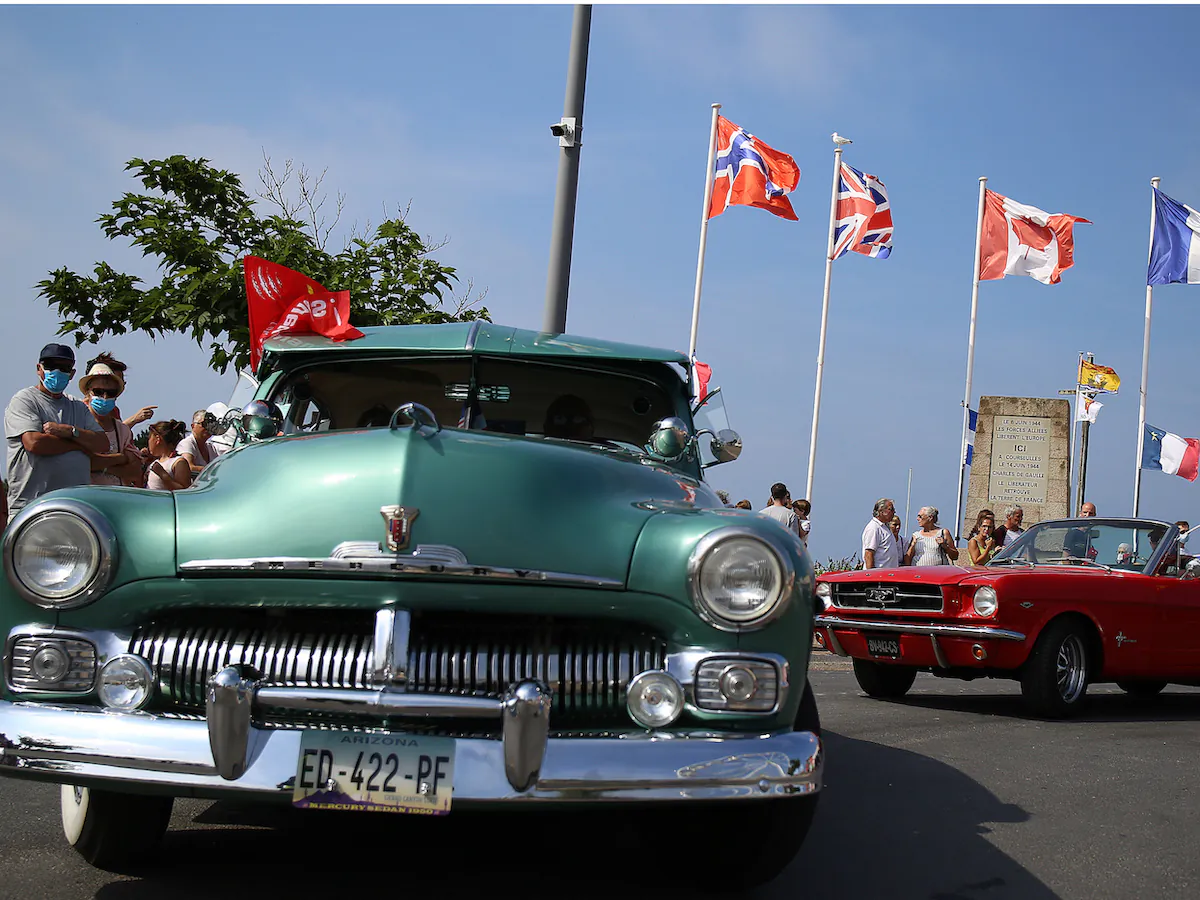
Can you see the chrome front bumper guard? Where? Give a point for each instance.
(973, 632)
(229, 755)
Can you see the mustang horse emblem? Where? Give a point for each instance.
(399, 525)
(883, 596)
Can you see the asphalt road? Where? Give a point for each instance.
(952, 794)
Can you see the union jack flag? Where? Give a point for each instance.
(749, 172)
(864, 215)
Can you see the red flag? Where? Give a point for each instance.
(1023, 240)
(749, 172)
(283, 301)
(703, 373)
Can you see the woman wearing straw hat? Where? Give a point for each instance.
(101, 387)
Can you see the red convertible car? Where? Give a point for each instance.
(1072, 602)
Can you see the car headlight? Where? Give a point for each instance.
(60, 554)
(986, 603)
(825, 594)
(738, 579)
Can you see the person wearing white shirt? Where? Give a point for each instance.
(197, 448)
(880, 549)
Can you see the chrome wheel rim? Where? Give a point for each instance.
(1071, 669)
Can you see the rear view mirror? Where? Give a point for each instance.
(726, 445)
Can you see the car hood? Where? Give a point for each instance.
(940, 575)
(500, 500)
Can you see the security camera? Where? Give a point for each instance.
(558, 129)
(567, 131)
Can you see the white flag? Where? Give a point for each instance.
(1086, 407)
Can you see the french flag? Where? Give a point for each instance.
(1170, 453)
(1175, 250)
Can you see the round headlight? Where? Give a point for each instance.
(825, 594)
(126, 682)
(59, 554)
(654, 699)
(985, 601)
(738, 579)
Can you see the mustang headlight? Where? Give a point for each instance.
(985, 601)
(59, 554)
(738, 579)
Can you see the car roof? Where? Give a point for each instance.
(478, 338)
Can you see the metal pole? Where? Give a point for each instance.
(907, 499)
(1083, 450)
(1073, 443)
(962, 468)
(812, 443)
(562, 234)
(1141, 435)
(708, 189)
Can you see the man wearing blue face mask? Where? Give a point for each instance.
(49, 436)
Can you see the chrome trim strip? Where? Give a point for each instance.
(472, 336)
(382, 647)
(426, 561)
(90, 746)
(380, 703)
(937, 652)
(966, 631)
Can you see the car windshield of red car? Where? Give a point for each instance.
(1113, 544)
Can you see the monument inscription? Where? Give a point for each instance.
(1020, 459)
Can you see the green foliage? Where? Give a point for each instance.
(845, 564)
(197, 223)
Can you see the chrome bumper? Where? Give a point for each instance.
(977, 632)
(186, 757)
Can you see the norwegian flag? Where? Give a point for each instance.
(864, 215)
(748, 172)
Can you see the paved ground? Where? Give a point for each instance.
(952, 794)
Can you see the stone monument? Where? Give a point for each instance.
(1022, 458)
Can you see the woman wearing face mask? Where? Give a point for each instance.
(121, 464)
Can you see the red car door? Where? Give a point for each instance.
(1178, 601)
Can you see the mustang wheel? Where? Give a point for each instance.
(1142, 688)
(111, 829)
(883, 680)
(1054, 680)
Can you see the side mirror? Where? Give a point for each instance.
(726, 445)
(1192, 571)
(261, 419)
(670, 438)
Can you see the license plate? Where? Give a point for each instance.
(388, 772)
(883, 645)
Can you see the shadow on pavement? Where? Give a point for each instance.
(1111, 706)
(891, 823)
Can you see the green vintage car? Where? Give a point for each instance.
(444, 567)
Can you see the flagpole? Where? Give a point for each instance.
(1074, 443)
(962, 469)
(812, 443)
(1081, 484)
(1137, 472)
(708, 189)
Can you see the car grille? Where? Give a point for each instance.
(586, 664)
(887, 595)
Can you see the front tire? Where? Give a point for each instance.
(1054, 680)
(111, 829)
(883, 681)
(1142, 689)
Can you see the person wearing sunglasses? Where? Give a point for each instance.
(142, 415)
(49, 436)
(120, 463)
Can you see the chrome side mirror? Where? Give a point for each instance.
(726, 445)
(261, 419)
(670, 438)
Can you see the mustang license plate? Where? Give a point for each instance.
(389, 772)
(883, 644)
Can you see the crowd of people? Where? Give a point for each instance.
(55, 440)
(791, 514)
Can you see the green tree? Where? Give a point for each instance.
(197, 222)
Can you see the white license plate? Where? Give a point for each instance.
(389, 772)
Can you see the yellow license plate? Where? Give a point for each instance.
(389, 772)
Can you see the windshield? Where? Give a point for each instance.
(599, 405)
(1129, 544)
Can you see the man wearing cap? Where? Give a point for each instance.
(49, 435)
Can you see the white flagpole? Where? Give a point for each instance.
(1073, 473)
(962, 468)
(1137, 472)
(708, 189)
(812, 443)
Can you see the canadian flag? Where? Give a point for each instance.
(1024, 240)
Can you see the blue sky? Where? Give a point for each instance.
(1072, 109)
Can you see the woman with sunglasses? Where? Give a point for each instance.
(122, 464)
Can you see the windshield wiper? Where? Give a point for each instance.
(1011, 559)
(1079, 559)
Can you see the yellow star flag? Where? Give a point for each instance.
(1098, 378)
